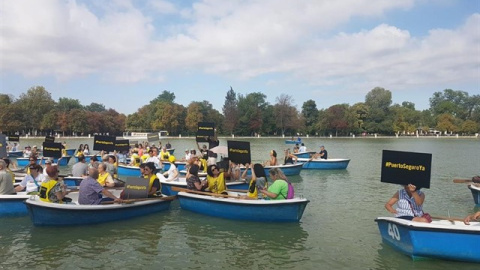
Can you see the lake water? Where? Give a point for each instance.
(337, 230)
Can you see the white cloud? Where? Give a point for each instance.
(240, 39)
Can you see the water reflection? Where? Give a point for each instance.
(389, 258)
(244, 244)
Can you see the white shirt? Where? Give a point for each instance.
(302, 149)
(29, 183)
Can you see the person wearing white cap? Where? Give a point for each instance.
(48, 163)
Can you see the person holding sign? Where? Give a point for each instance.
(215, 180)
(154, 185)
(258, 180)
(409, 202)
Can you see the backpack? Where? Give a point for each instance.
(291, 191)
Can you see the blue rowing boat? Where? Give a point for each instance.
(475, 193)
(230, 207)
(293, 142)
(14, 154)
(22, 162)
(72, 181)
(440, 239)
(324, 164)
(88, 157)
(25, 161)
(71, 152)
(70, 214)
(63, 161)
(12, 205)
(126, 170)
(304, 154)
(182, 183)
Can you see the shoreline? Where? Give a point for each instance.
(267, 137)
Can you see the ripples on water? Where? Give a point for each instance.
(337, 230)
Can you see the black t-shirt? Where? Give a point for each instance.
(325, 154)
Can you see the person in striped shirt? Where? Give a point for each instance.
(409, 202)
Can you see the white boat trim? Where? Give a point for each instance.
(240, 201)
(436, 224)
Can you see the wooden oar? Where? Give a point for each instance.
(203, 193)
(448, 218)
(468, 181)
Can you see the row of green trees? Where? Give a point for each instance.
(245, 115)
(36, 113)
(248, 115)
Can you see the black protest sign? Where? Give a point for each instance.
(239, 152)
(105, 143)
(3, 146)
(49, 139)
(405, 168)
(122, 145)
(135, 188)
(153, 137)
(53, 150)
(205, 129)
(13, 138)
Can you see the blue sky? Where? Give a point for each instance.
(124, 53)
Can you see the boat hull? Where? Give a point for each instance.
(51, 214)
(128, 170)
(71, 152)
(304, 154)
(439, 239)
(324, 164)
(292, 142)
(62, 161)
(14, 154)
(87, 158)
(237, 209)
(13, 205)
(475, 193)
(167, 186)
(71, 181)
(24, 161)
(180, 165)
